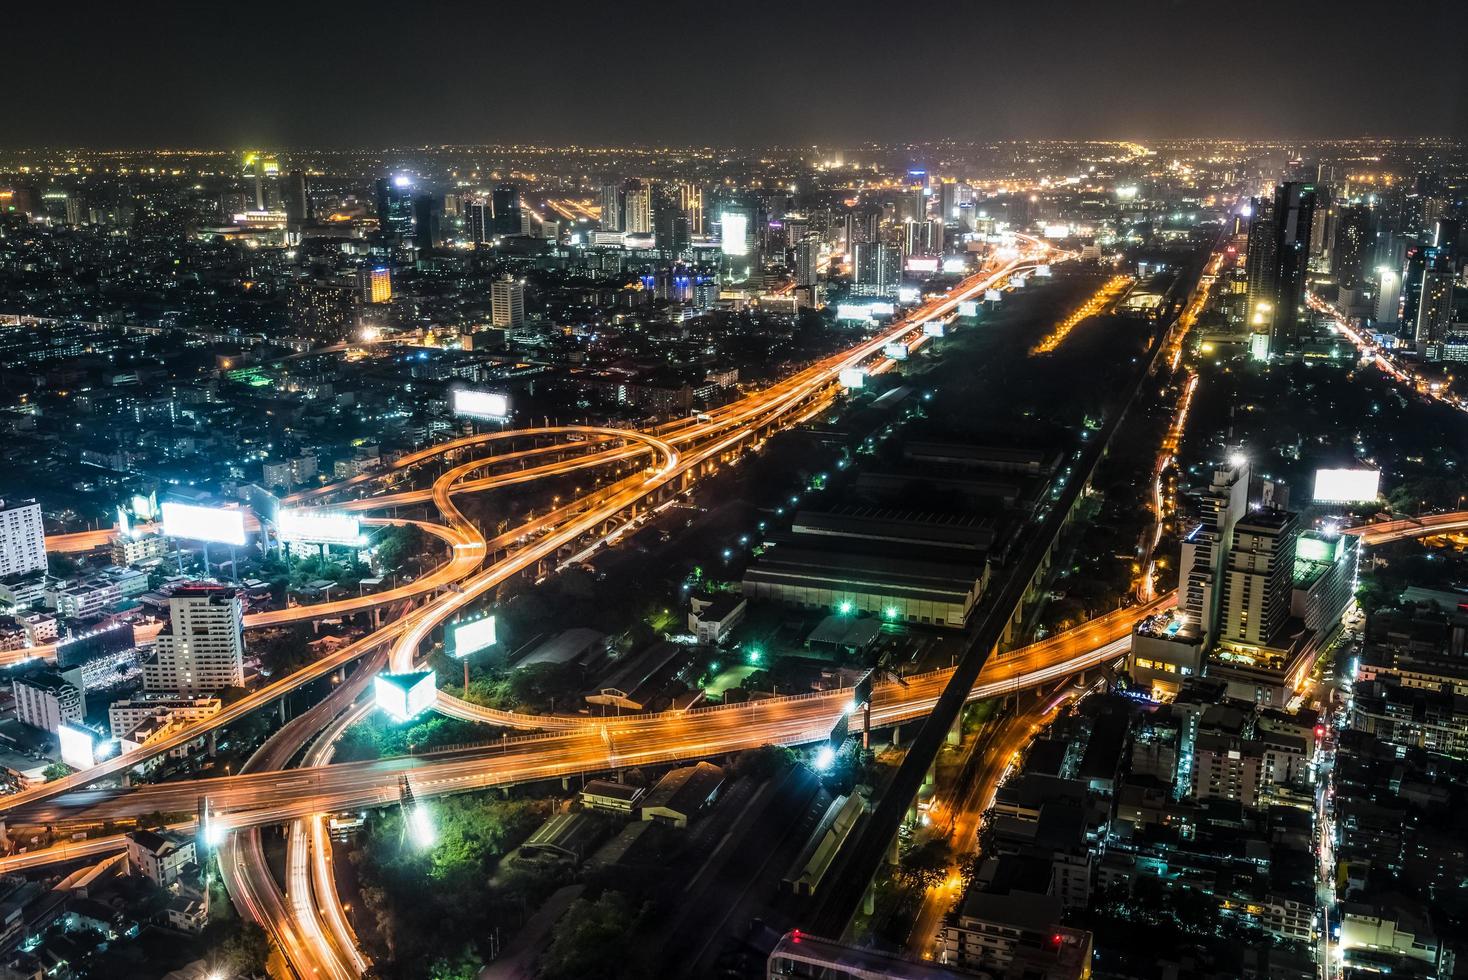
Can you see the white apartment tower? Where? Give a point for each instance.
(507, 302)
(22, 538)
(1206, 547)
(202, 649)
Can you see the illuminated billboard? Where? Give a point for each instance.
(993, 295)
(968, 308)
(734, 234)
(470, 403)
(908, 294)
(853, 311)
(471, 636)
(921, 263)
(933, 328)
(854, 378)
(78, 745)
(954, 264)
(145, 508)
(1056, 231)
(896, 350)
(194, 523)
(405, 696)
(1346, 486)
(312, 526)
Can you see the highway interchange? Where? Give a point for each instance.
(307, 922)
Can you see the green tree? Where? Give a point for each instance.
(55, 771)
(584, 935)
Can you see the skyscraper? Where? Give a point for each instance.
(507, 218)
(1434, 310)
(807, 261)
(1204, 548)
(1353, 235)
(297, 197)
(507, 302)
(1258, 577)
(22, 538)
(638, 208)
(876, 269)
(478, 221)
(395, 207)
(690, 200)
(1279, 255)
(427, 222)
(611, 207)
(201, 649)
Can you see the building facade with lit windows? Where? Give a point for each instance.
(201, 650)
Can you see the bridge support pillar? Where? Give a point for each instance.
(213, 743)
(896, 735)
(127, 778)
(869, 901)
(955, 734)
(894, 856)
(565, 784)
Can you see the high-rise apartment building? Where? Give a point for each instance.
(22, 538)
(1276, 264)
(611, 207)
(1434, 310)
(507, 302)
(690, 201)
(478, 221)
(1258, 578)
(876, 269)
(1352, 236)
(1206, 547)
(638, 208)
(44, 699)
(201, 649)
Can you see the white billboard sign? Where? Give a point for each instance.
(854, 378)
(78, 745)
(734, 234)
(933, 328)
(193, 523)
(968, 308)
(1346, 486)
(896, 350)
(312, 526)
(470, 403)
(405, 696)
(473, 636)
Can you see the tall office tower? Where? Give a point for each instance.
(912, 205)
(1388, 296)
(1258, 578)
(478, 221)
(1420, 258)
(1445, 239)
(427, 222)
(1205, 547)
(807, 261)
(611, 207)
(638, 208)
(375, 284)
(507, 302)
(860, 226)
(22, 538)
(690, 201)
(1279, 254)
(1322, 226)
(876, 269)
(263, 173)
(948, 201)
(1434, 310)
(297, 196)
(1352, 237)
(201, 649)
(924, 238)
(506, 199)
(395, 207)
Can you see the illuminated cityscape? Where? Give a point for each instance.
(507, 510)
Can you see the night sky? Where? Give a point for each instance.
(140, 74)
